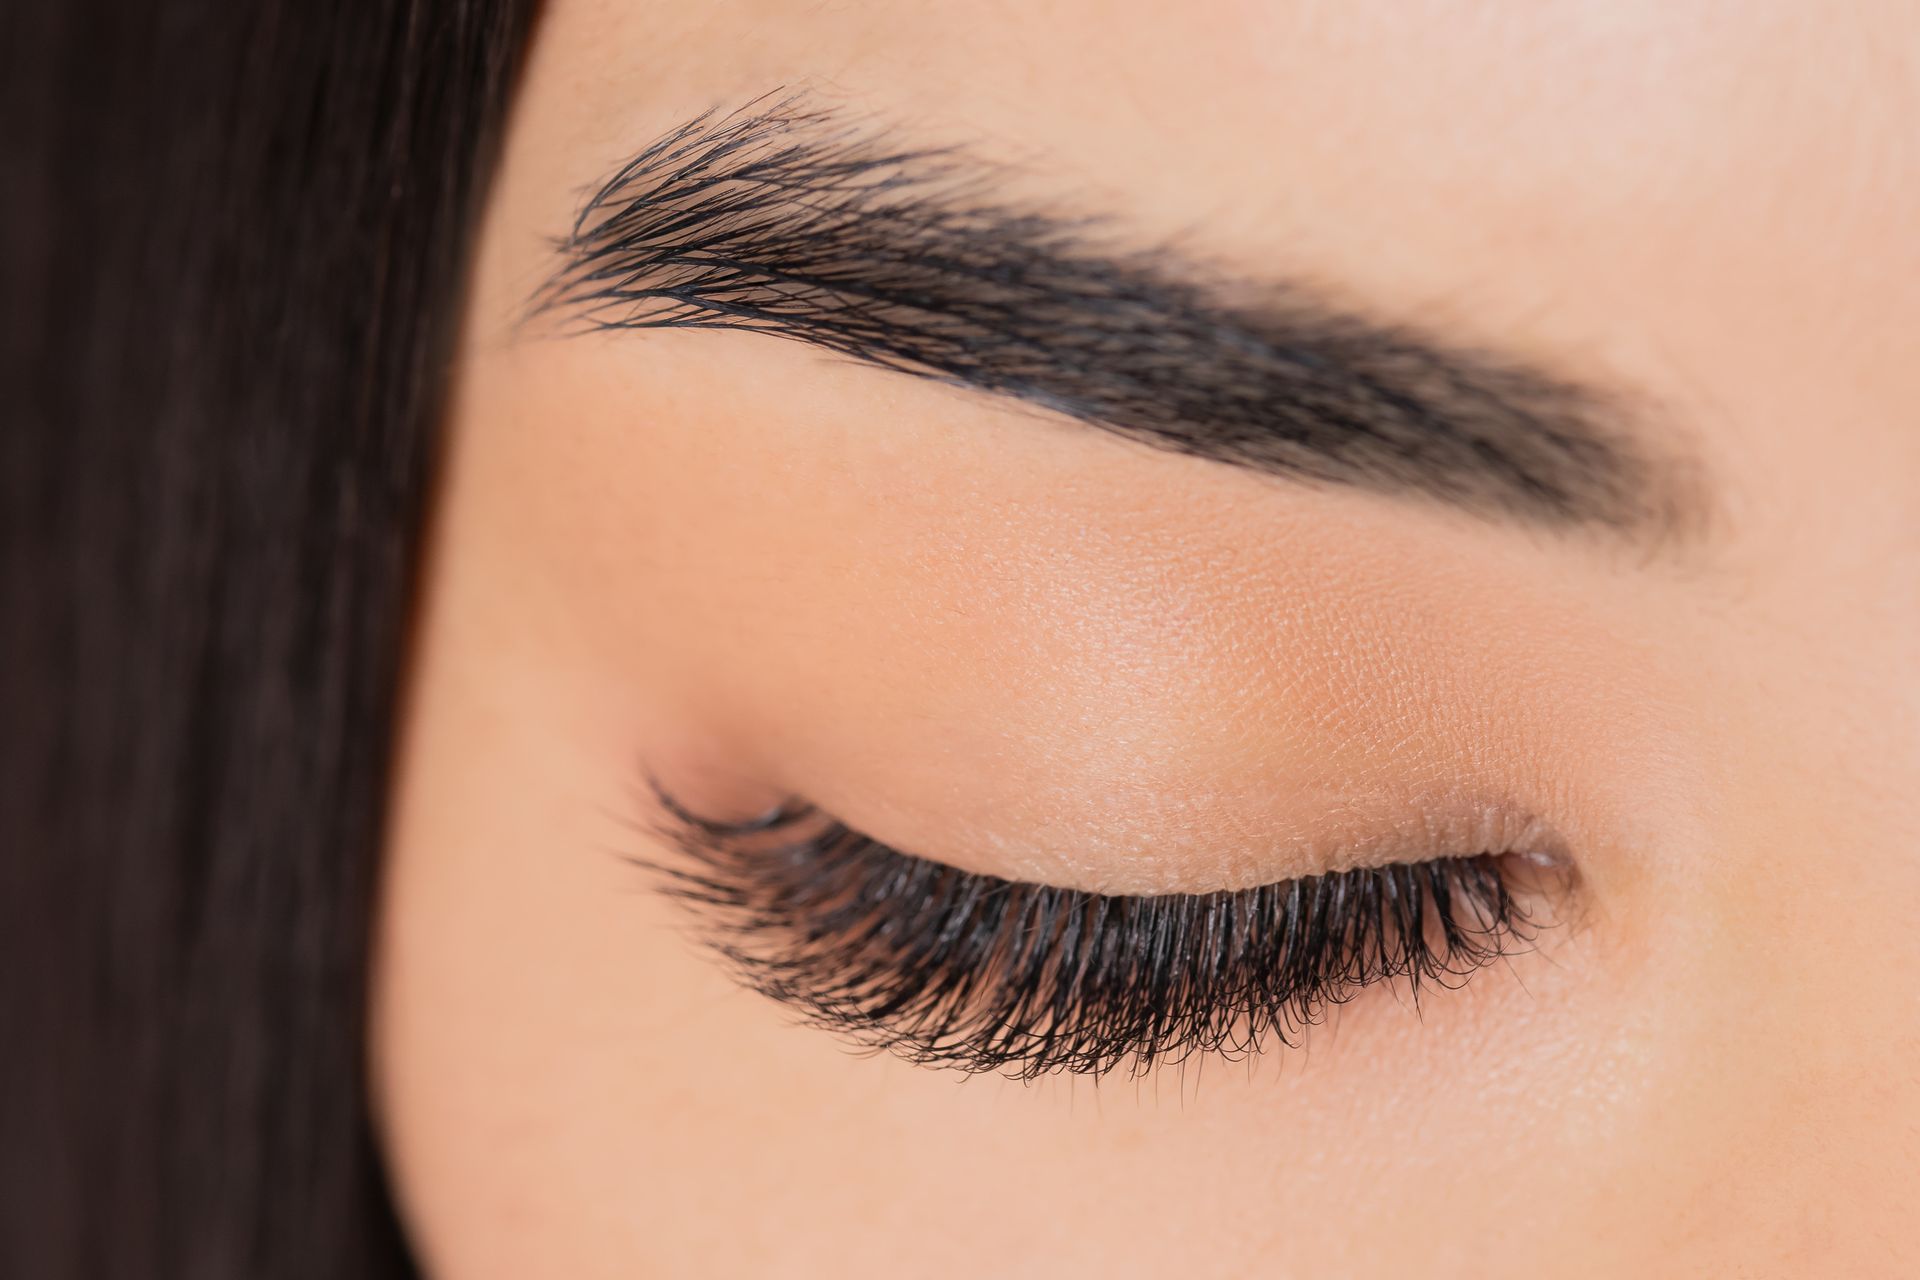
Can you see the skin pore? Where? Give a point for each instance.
(1013, 641)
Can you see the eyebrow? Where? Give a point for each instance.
(785, 219)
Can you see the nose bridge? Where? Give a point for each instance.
(1809, 687)
(1860, 699)
(1816, 658)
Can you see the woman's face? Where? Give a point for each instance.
(1540, 382)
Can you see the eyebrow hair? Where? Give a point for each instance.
(782, 218)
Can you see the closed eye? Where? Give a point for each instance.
(970, 972)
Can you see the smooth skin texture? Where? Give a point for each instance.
(1028, 648)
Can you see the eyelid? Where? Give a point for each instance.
(953, 969)
(1129, 847)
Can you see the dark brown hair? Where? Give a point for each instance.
(232, 238)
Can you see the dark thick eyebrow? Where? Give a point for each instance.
(783, 218)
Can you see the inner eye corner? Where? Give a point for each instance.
(721, 808)
(1548, 885)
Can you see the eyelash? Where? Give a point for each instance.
(954, 969)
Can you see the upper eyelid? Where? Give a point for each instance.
(1435, 827)
(793, 810)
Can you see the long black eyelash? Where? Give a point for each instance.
(955, 969)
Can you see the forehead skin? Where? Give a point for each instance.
(1710, 206)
